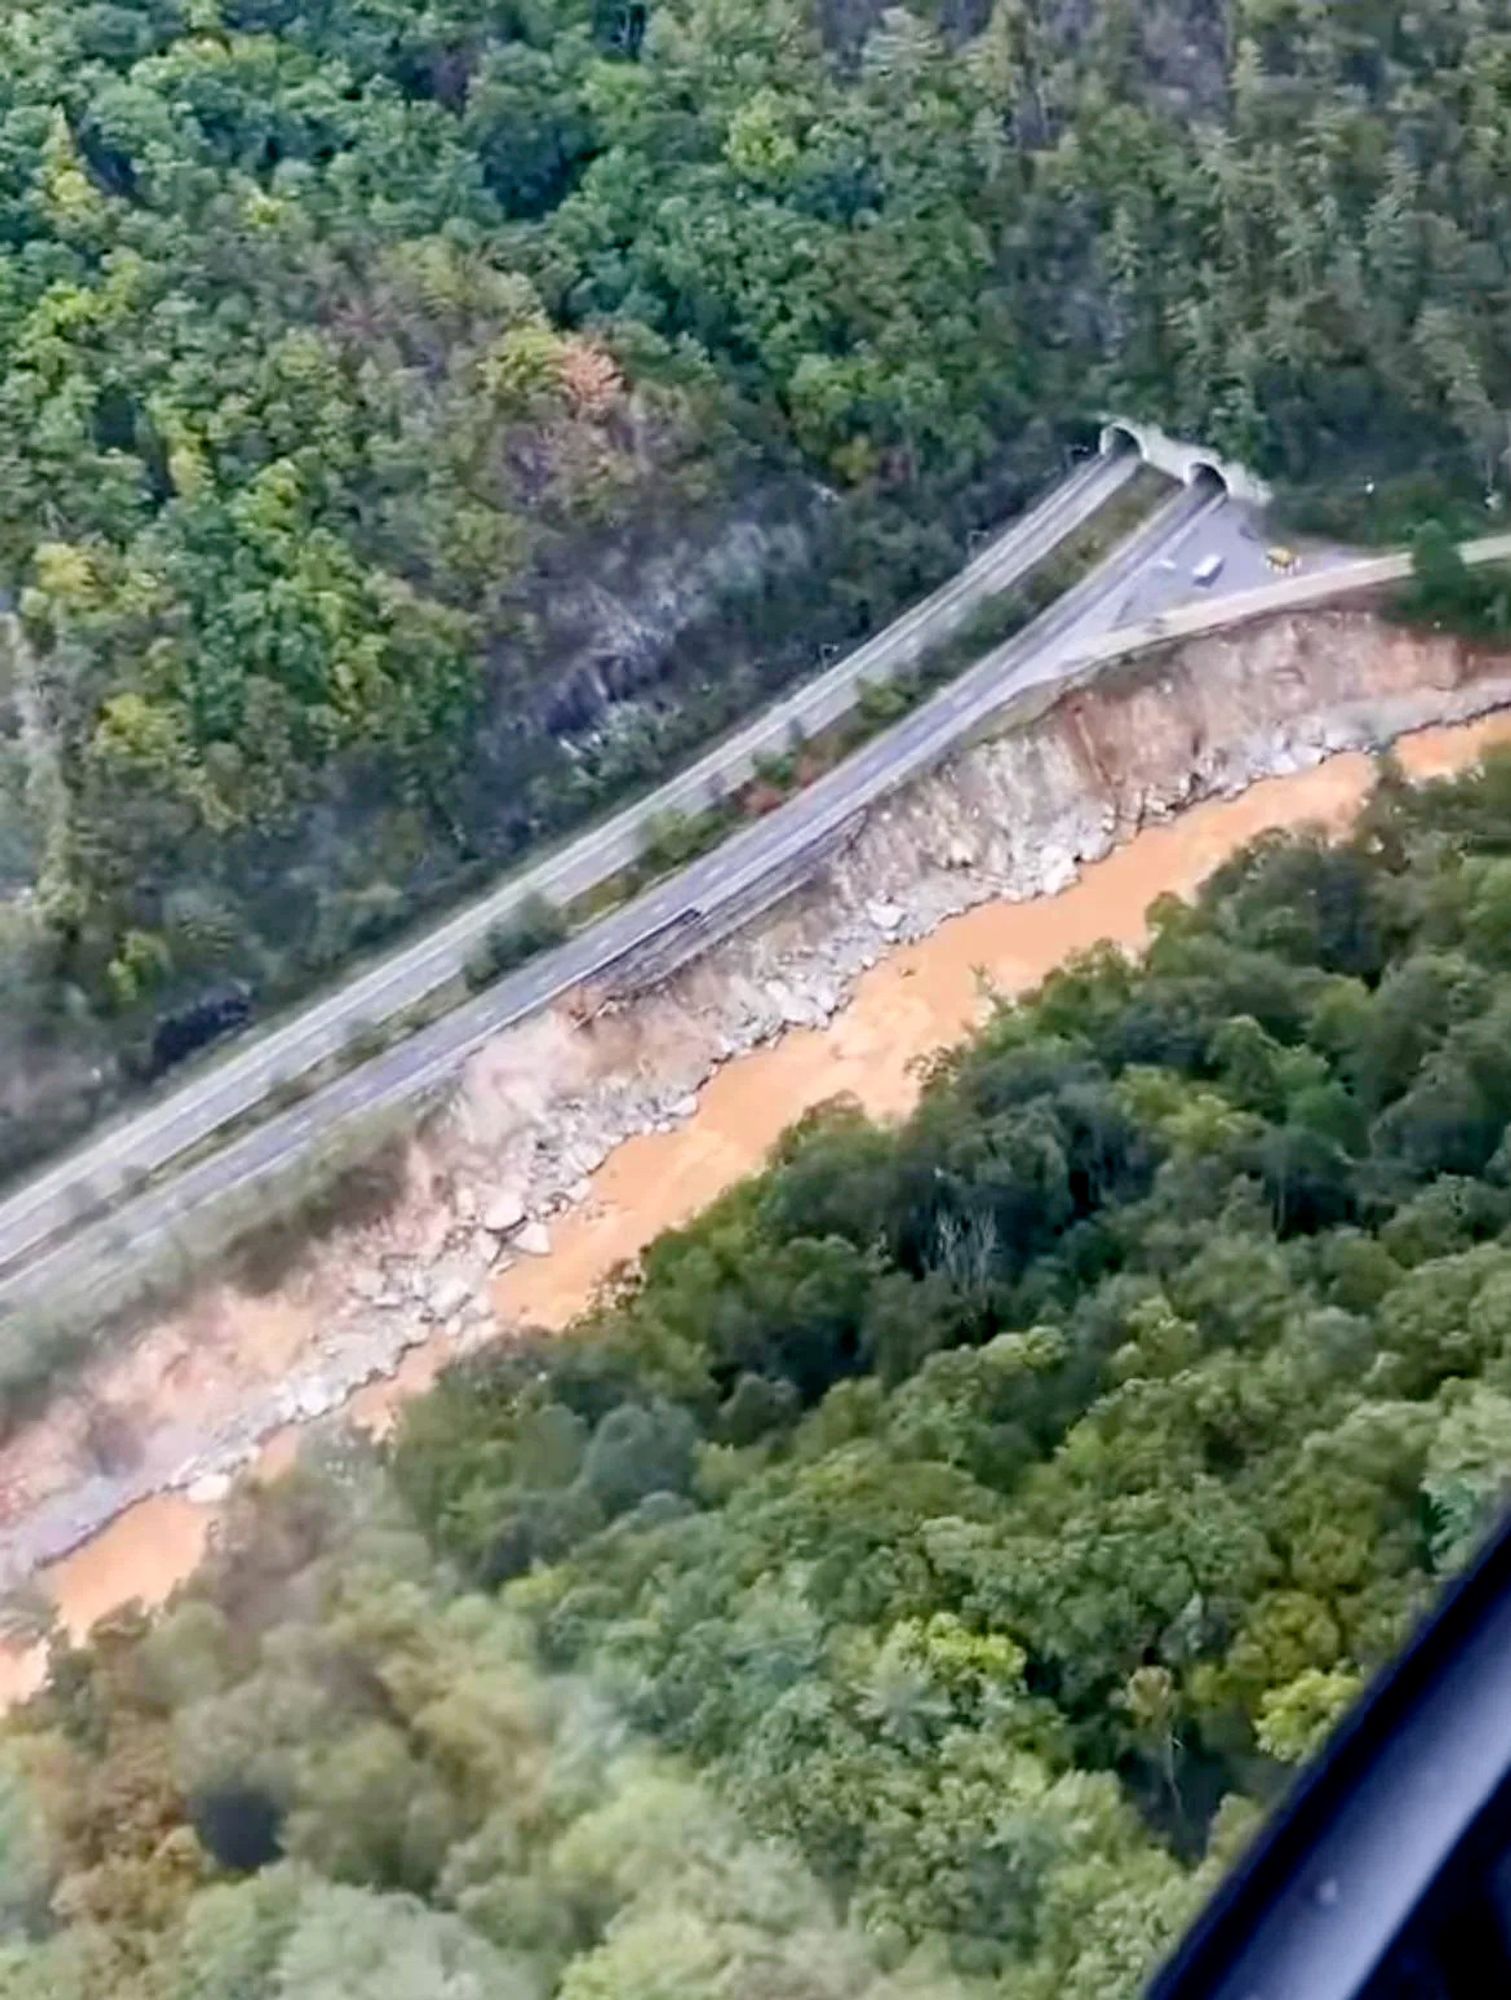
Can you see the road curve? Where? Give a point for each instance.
(95, 1253)
(140, 1142)
(1065, 641)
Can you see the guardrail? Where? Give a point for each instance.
(1042, 658)
(1290, 593)
(147, 1139)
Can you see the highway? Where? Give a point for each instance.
(140, 1142)
(1075, 635)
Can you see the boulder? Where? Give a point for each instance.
(826, 998)
(796, 1010)
(314, 1397)
(534, 1239)
(448, 1294)
(504, 1213)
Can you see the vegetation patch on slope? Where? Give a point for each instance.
(921, 1573)
(420, 427)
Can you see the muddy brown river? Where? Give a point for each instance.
(919, 998)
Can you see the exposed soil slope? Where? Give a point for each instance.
(844, 990)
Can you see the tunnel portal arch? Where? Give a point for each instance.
(1192, 464)
(1203, 472)
(1119, 437)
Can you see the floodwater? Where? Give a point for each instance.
(920, 998)
(142, 1554)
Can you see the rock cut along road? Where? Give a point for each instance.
(145, 1141)
(1079, 632)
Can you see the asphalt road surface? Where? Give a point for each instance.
(142, 1141)
(1080, 631)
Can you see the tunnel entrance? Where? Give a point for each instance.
(1199, 467)
(1117, 440)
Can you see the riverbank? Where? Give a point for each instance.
(918, 997)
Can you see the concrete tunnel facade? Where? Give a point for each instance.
(1189, 463)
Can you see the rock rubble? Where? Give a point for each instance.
(1013, 817)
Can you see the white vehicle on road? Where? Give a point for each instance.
(1207, 570)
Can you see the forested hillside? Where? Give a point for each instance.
(921, 1576)
(418, 423)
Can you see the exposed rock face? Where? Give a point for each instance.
(541, 1107)
(613, 623)
(1017, 815)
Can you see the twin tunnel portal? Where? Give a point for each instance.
(1192, 464)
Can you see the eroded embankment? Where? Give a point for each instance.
(845, 990)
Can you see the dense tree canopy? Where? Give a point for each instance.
(415, 423)
(920, 1575)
